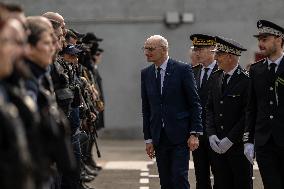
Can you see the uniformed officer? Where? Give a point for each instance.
(202, 48)
(265, 112)
(225, 116)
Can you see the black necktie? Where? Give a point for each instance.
(205, 77)
(225, 82)
(272, 74)
(158, 79)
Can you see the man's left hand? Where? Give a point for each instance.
(225, 144)
(193, 142)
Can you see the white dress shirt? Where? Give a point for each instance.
(277, 62)
(211, 67)
(163, 73)
(231, 72)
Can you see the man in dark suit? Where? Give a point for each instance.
(265, 112)
(225, 118)
(202, 47)
(171, 113)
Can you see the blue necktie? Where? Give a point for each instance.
(158, 79)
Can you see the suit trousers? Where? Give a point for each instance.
(172, 161)
(270, 160)
(202, 161)
(232, 169)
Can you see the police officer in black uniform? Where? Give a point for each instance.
(203, 46)
(265, 112)
(225, 116)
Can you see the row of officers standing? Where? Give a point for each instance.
(242, 112)
(224, 114)
(51, 102)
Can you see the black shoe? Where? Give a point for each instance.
(91, 163)
(84, 186)
(98, 168)
(85, 177)
(90, 170)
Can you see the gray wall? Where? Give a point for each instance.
(125, 24)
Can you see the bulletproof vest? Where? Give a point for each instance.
(60, 78)
(55, 126)
(15, 159)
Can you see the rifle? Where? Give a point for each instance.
(91, 109)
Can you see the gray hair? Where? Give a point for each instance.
(163, 41)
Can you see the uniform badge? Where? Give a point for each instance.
(239, 71)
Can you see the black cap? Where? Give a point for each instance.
(228, 46)
(266, 28)
(79, 35)
(200, 40)
(90, 38)
(71, 49)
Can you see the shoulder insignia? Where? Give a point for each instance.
(243, 71)
(197, 66)
(258, 62)
(217, 71)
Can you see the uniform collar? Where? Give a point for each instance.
(233, 70)
(277, 62)
(210, 66)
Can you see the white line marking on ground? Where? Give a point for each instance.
(144, 181)
(144, 169)
(128, 165)
(144, 174)
(153, 176)
(144, 187)
(143, 165)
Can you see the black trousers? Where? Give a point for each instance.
(232, 169)
(270, 160)
(202, 161)
(172, 161)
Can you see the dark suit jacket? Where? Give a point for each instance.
(178, 106)
(225, 112)
(203, 93)
(264, 117)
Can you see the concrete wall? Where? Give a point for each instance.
(125, 24)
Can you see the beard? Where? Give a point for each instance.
(268, 51)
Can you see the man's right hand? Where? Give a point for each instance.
(150, 150)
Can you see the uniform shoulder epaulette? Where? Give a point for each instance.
(258, 62)
(217, 71)
(197, 66)
(243, 71)
(246, 72)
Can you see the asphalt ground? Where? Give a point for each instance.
(126, 166)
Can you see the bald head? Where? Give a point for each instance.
(54, 16)
(159, 40)
(57, 17)
(156, 49)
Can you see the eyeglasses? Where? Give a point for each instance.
(150, 49)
